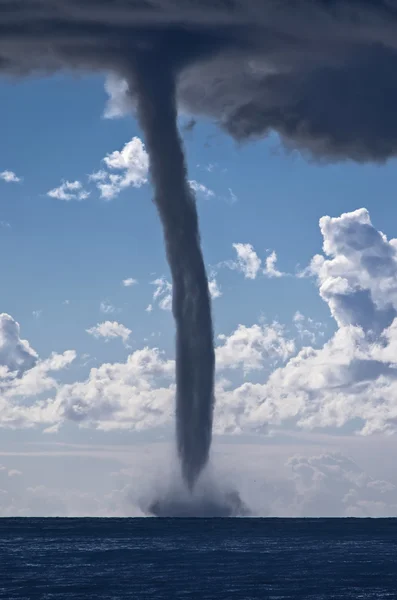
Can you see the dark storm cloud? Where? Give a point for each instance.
(321, 73)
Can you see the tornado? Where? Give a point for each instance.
(155, 88)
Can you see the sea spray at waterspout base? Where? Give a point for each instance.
(212, 496)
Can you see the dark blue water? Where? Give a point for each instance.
(198, 558)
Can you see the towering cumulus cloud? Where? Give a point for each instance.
(321, 73)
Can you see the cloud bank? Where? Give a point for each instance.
(268, 376)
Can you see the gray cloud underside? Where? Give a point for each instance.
(321, 73)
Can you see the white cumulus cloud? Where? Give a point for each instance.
(214, 288)
(347, 383)
(127, 167)
(69, 190)
(119, 102)
(20, 403)
(248, 262)
(110, 330)
(9, 177)
(352, 379)
(249, 347)
(16, 354)
(358, 276)
(133, 395)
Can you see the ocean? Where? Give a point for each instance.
(64, 559)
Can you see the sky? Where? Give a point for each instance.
(302, 264)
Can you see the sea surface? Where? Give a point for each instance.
(248, 559)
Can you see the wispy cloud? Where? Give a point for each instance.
(106, 307)
(200, 188)
(110, 330)
(163, 293)
(69, 190)
(129, 282)
(270, 266)
(10, 177)
(232, 197)
(248, 262)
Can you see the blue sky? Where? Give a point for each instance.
(63, 264)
